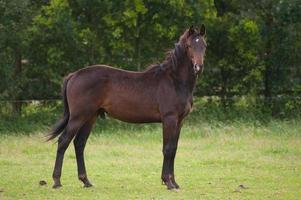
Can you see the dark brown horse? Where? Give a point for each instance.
(161, 93)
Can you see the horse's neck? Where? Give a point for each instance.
(184, 75)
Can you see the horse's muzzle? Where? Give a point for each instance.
(197, 68)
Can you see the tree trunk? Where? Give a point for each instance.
(220, 7)
(137, 43)
(268, 64)
(223, 94)
(17, 104)
(267, 85)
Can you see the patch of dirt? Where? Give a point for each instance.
(42, 182)
(241, 187)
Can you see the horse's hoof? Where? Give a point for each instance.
(170, 185)
(87, 185)
(174, 188)
(56, 186)
(176, 185)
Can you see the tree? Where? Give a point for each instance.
(232, 62)
(279, 23)
(15, 18)
(252, 46)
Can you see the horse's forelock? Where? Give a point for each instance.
(184, 37)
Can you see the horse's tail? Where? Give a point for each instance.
(62, 123)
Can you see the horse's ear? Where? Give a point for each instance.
(203, 30)
(191, 30)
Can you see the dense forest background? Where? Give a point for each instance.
(253, 56)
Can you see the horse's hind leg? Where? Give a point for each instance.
(79, 146)
(63, 143)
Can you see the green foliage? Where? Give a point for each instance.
(41, 116)
(253, 47)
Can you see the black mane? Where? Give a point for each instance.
(173, 58)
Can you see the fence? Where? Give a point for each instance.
(280, 103)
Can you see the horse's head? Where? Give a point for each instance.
(196, 47)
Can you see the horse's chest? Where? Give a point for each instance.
(185, 106)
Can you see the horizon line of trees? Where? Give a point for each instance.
(253, 46)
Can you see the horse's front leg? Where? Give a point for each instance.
(170, 143)
(179, 126)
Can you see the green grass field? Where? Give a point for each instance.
(124, 162)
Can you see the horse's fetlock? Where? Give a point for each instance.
(82, 177)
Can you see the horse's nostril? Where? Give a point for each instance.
(196, 68)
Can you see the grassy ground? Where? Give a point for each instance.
(124, 162)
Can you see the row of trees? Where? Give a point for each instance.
(253, 46)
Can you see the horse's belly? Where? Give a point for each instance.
(134, 113)
(134, 117)
(131, 101)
